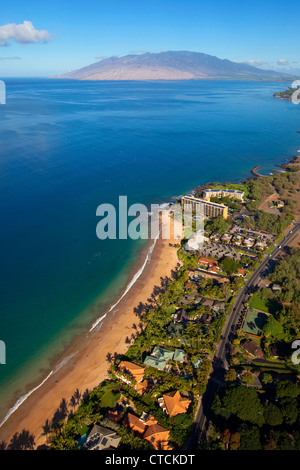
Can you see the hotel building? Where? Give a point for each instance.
(210, 209)
(208, 193)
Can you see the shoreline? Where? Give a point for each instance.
(84, 362)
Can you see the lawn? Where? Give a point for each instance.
(83, 429)
(109, 399)
(108, 396)
(278, 367)
(268, 306)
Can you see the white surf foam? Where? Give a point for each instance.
(134, 279)
(24, 397)
(21, 400)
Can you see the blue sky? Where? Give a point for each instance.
(67, 34)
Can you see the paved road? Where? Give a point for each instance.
(219, 363)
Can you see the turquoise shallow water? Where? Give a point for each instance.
(66, 147)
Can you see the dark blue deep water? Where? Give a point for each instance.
(67, 146)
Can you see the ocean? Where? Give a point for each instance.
(65, 148)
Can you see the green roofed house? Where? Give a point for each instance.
(196, 363)
(159, 358)
(162, 353)
(152, 361)
(179, 355)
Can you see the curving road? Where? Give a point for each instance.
(219, 364)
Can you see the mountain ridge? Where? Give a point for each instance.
(171, 65)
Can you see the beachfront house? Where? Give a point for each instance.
(129, 372)
(101, 438)
(160, 357)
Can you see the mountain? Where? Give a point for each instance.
(171, 65)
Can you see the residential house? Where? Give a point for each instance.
(249, 242)
(206, 319)
(252, 348)
(276, 288)
(180, 316)
(148, 428)
(159, 358)
(260, 244)
(237, 240)
(218, 305)
(196, 362)
(226, 237)
(211, 264)
(143, 387)
(113, 415)
(279, 350)
(101, 438)
(179, 355)
(173, 403)
(241, 272)
(158, 437)
(129, 371)
(215, 236)
(207, 302)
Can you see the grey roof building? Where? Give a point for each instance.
(101, 438)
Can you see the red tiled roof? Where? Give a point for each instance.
(134, 423)
(175, 403)
(208, 261)
(128, 368)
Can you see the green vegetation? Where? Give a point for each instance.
(263, 304)
(244, 420)
(218, 225)
(286, 94)
(254, 323)
(272, 223)
(230, 266)
(287, 274)
(243, 417)
(227, 201)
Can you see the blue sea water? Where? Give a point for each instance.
(66, 147)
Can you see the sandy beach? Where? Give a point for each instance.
(89, 366)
